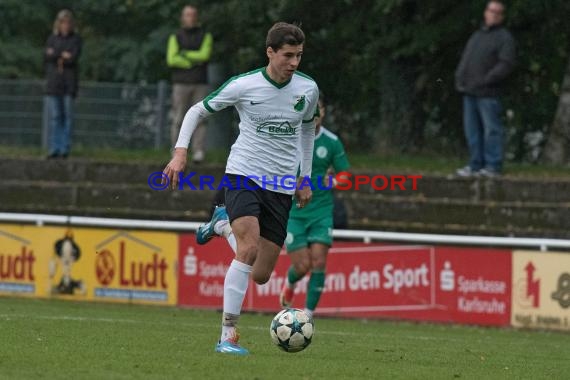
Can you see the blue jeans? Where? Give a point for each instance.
(60, 116)
(484, 132)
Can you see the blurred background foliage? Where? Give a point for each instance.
(386, 66)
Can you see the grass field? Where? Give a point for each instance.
(59, 339)
(409, 163)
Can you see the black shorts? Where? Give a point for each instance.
(246, 198)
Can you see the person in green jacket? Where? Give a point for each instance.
(188, 53)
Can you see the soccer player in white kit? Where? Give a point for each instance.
(276, 106)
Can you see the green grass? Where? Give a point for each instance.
(69, 340)
(410, 163)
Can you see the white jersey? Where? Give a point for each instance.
(272, 118)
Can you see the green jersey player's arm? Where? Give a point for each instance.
(340, 161)
(225, 96)
(308, 134)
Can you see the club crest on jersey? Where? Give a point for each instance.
(299, 103)
(321, 152)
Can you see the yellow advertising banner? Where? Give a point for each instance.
(89, 264)
(541, 290)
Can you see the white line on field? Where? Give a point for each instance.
(11, 317)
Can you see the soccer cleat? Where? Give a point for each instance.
(286, 296)
(231, 346)
(206, 231)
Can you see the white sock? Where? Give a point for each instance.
(309, 312)
(220, 225)
(235, 287)
(224, 229)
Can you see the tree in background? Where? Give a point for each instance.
(386, 65)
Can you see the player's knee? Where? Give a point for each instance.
(302, 267)
(247, 253)
(318, 263)
(261, 278)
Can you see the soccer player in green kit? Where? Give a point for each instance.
(309, 229)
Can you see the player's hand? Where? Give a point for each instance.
(176, 166)
(303, 194)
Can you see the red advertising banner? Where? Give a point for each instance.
(447, 284)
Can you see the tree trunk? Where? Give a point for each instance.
(557, 149)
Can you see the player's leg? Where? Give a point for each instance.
(273, 217)
(297, 249)
(320, 239)
(268, 253)
(318, 253)
(300, 266)
(246, 230)
(243, 207)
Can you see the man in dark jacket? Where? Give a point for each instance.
(487, 61)
(61, 56)
(188, 53)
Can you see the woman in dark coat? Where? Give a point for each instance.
(62, 52)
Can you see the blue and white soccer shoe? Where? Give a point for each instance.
(231, 347)
(206, 231)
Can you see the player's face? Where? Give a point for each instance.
(285, 61)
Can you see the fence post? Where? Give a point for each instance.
(161, 112)
(45, 123)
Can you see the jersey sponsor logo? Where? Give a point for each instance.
(299, 103)
(254, 103)
(322, 152)
(277, 129)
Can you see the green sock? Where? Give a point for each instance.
(292, 276)
(315, 288)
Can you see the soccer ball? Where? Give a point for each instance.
(292, 330)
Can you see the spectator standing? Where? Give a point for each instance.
(486, 62)
(61, 56)
(188, 53)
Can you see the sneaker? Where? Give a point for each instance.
(231, 346)
(206, 231)
(286, 297)
(489, 173)
(198, 156)
(466, 172)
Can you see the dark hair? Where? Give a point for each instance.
(283, 33)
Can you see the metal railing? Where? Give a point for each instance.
(105, 114)
(365, 236)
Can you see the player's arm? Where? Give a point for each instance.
(307, 145)
(340, 163)
(173, 56)
(225, 96)
(204, 53)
